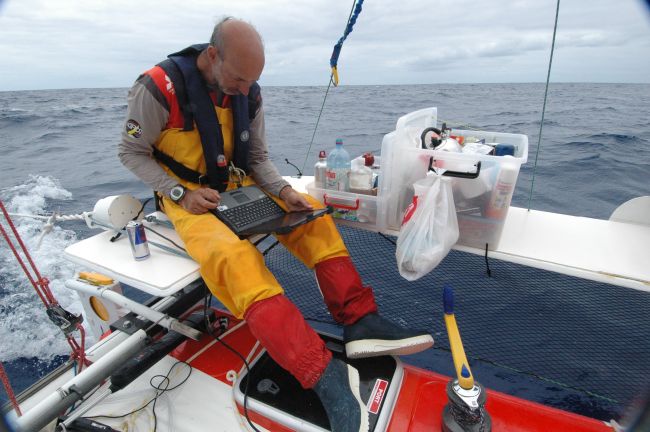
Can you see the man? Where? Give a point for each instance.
(177, 145)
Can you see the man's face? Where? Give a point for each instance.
(234, 77)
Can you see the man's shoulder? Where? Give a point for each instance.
(160, 86)
(157, 76)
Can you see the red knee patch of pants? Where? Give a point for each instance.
(290, 341)
(345, 296)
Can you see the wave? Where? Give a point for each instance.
(50, 136)
(609, 138)
(587, 106)
(587, 159)
(21, 116)
(27, 331)
(586, 145)
(508, 113)
(620, 138)
(62, 111)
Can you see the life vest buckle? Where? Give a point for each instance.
(204, 179)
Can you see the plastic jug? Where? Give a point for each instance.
(361, 177)
(338, 168)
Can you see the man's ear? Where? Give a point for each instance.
(213, 52)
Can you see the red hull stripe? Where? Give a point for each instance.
(419, 405)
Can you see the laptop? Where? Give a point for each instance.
(249, 211)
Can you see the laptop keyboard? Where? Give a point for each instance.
(256, 211)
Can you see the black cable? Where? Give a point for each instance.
(119, 234)
(165, 389)
(208, 326)
(165, 378)
(388, 238)
(487, 263)
(142, 208)
(297, 169)
(151, 229)
(166, 238)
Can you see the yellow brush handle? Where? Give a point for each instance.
(95, 278)
(463, 372)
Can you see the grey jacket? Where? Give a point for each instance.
(150, 116)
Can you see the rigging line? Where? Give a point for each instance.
(4, 378)
(541, 125)
(311, 142)
(40, 284)
(329, 84)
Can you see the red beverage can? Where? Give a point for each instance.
(138, 240)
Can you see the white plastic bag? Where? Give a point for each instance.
(429, 228)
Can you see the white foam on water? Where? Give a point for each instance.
(25, 329)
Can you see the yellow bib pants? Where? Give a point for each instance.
(233, 269)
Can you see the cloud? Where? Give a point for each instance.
(591, 38)
(109, 43)
(497, 46)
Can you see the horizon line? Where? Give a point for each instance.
(358, 85)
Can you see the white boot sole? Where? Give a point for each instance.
(379, 347)
(353, 379)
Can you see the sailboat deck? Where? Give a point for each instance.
(595, 249)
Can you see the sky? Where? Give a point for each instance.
(52, 44)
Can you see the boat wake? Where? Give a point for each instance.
(25, 330)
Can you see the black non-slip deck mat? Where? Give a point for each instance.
(587, 337)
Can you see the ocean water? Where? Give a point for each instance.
(58, 152)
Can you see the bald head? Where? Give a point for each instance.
(240, 44)
(237, 34)
(235, 57)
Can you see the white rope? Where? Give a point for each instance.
(70, 217)
(52, 218)
(47, 228)
(49, 222)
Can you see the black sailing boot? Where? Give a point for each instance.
(373, 336)
(338, 390)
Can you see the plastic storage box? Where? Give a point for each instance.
(349, 208)
(482, 202)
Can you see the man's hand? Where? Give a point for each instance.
(294, 200)
(200, 200)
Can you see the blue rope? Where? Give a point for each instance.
(541, 124)
(348, 29)
(352, 19)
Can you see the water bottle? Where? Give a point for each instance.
(361, 177)
(338, 168)
(320, 170)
